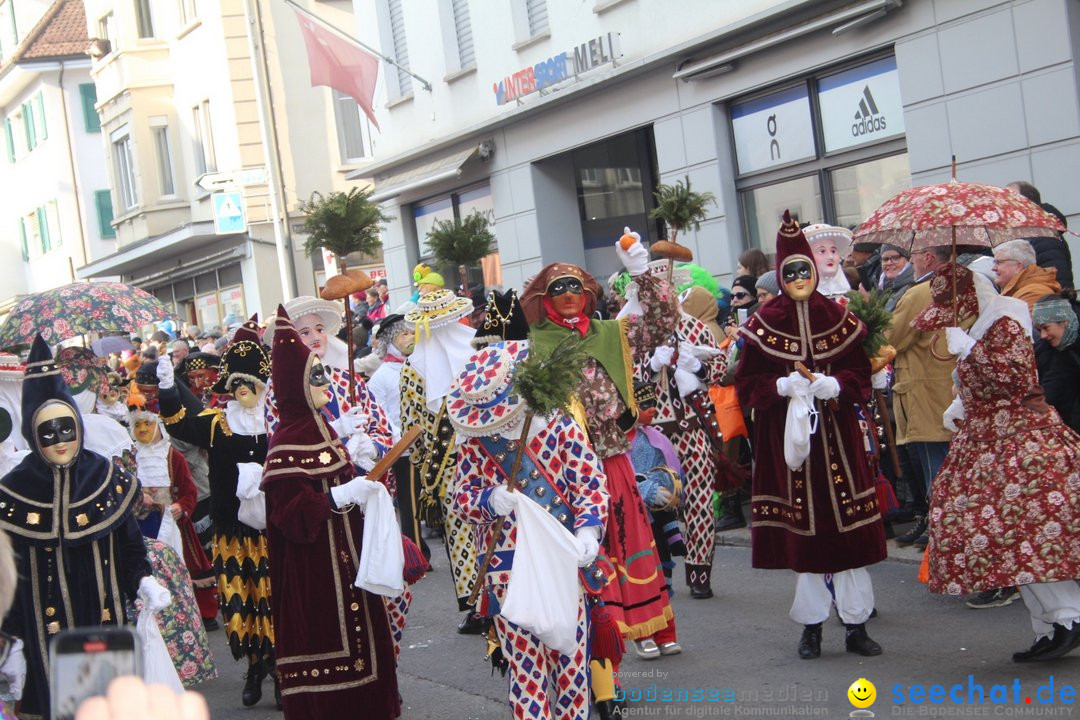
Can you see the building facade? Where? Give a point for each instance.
(213, 134)
(558, 119)
(54, 217)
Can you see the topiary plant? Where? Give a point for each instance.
(462, 242)
(680, 207)
(343, 223)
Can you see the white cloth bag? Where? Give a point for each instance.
(169, 533)
(157, 666)
(798, 428)
(252, 500)
(382, 558)
(543, 593)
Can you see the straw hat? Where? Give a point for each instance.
(438, 308)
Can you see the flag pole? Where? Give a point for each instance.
(364, 45)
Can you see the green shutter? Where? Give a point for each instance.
(103, 200)
(28, 126)
(88, 93)
(39, 116)
(22, 238)
(43, 229)
(10, 140)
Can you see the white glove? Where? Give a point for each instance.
(502, 501)
(661, 357)
(687, 382)
(880, 379)
(636, 259)
(792, 385)
(662, 498)
(355, 492)
(350, 423)
(589, 536)
(825, 387)
(958, 342)
(154, 597)
(362, 450)
(633, 304)
(953, 415)
(13, 672)
(166, 375)
(687, 359)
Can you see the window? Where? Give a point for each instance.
(9, 33)
(460, 205)
(536, 10)
(103, 201)
(400, 52)
(205, 158)
(164, 159)
(143, 19)
(23, 244)
(88, 96)
(52, 217)
(463, 32)
(830, 149)
(189, 11)
(32, 229)
(37, 110)
(124, 166)
(107, 30)
(350, 120)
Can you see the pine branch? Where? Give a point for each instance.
(462, 241)
(547, 381)
(343, 223)
(680, 207)
(873, 314)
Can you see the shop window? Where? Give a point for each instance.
(829, 149)
(459, 204)
(615, 184)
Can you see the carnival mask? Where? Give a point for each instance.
(318, 385)
(799, 278)
(312, 331)
(245, 393)
(57, 433)
(202, 380)
(567, 296)
(405, 341)
(827, 257)
(146, 431)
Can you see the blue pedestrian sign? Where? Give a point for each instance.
(228, 213)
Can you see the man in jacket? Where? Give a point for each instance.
(1018, 276)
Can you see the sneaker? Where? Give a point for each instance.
(993, 598)
(670, 648)
(917, 531)
(646, 649)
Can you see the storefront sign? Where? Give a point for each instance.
(773, 130)
(570, 63)
(861, 105)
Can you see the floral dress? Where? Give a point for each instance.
(1005, 507)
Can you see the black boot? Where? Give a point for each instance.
(1063, 642)
(1034, 652)
(277, 693)
(697, 577)
(472, 624)
(810, 642)
(917, 531)
(733, 515)
(859, 642)
(252, 693)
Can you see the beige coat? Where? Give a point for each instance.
(922, 389)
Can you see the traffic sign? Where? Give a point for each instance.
(214, 181)
(228, 213)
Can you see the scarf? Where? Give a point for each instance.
(243, 421)
(1058, 310)
(579, 323)
(605, 342)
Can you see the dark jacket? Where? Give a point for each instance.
(898, 286)
(1053, 252)
(1059, 374)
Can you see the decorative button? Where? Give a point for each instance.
(50, 612)
(82, 520)
(119, 488)
(354, 606)
(315, 672)
(106, 615)
(53, 627)
(33, 518)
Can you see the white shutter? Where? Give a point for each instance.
(401, 50)
(538, 16)
(463, 30)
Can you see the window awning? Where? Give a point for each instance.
(445, 168)
(176, 247)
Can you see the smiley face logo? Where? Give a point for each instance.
(862, 693)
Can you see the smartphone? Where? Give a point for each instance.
(741, 312)
(83, 663)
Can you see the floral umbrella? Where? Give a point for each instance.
(81, 308)
(956, 213)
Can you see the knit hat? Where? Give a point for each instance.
(768, 283)
(747, 283)
(906, 254)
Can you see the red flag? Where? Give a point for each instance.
(340, 64)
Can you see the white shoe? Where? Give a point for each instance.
(646, 649)
(670, 648)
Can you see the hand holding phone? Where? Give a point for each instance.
(83, 663)
(155, 701)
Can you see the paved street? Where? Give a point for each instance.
(740, 643)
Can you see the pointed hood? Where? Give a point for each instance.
(791, 245)
(304, 445)
(44, 384)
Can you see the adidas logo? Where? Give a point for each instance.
(868, 118)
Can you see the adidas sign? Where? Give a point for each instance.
(868, 119)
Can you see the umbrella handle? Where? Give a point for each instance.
(933, 349)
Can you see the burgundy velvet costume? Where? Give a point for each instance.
(822, 518)
(335, 654)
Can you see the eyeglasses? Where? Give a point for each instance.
(740, 295)
(891, 258)
(999, 262)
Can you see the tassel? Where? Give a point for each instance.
(607, 641)
(416, 565)
(886, 497)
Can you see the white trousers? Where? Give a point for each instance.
(1052, 602)
(813, 600)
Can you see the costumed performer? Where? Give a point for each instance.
(561, 475)
(442, 348)
(559, 302)
(235, 441)
(814, 507)
(335, 652)
(1005, 507)
(829, 245)
(68, 512)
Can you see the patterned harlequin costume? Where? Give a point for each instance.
(680, 422)
(335, 652)
(635, 590)
(78, 549)
(232, 436)
(544, 683)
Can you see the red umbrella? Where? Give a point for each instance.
(956, 213)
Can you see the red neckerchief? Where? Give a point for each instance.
(579, 323)
(392, 358)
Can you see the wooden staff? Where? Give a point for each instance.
(890, 440)
(833, 405)
(400, 448)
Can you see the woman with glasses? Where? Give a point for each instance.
(897, 273)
